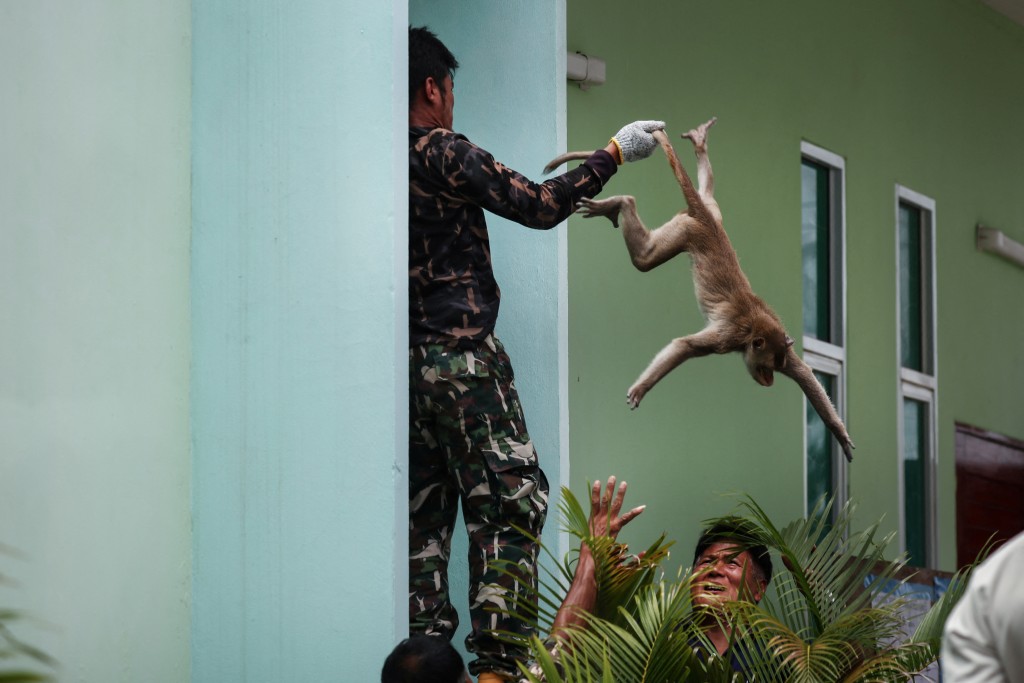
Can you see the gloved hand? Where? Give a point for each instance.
(634, 141)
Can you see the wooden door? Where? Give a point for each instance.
(989, 489)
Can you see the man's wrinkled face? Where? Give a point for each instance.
(719, 574)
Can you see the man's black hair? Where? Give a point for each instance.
(428, 57)
(423, 659)
(742, 533)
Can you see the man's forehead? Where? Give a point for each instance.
(724, 548)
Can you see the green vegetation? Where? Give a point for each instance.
(19, 661)
(832, 614)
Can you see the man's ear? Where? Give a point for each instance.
(432, 90)
(760, 590)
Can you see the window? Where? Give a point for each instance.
(823, 219)
(915, 233)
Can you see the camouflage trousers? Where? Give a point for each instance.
(468, 442)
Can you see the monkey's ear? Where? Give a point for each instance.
(789, 341)
(758, 343)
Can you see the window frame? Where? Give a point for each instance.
(917, 385)
(829, 358)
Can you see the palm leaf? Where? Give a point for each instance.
(828, 568)
(821, 622)
(23, 677)
(653, 644)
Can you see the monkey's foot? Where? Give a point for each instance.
(609, 208)
(699, 135)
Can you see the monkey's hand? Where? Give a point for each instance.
(635, 394)
(847, 447)
(608, 208)
(634, 140)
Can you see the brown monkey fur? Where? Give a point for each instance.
(737, 319)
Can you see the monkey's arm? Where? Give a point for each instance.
(802, 374)
(669, 358)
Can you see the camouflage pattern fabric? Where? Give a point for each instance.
(468, 443)
(453, 297)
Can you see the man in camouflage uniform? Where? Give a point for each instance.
(467, 435)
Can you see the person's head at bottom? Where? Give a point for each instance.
(424, 659)
(729, 566)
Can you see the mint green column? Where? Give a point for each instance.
(299, 339)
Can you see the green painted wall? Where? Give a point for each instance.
(94, 333)
(923, 93)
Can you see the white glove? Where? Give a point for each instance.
(635, 141)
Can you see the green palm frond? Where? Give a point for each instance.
(925, 644)
(832, 572)
(832, 606)
(653, 644)
(894, 663)
(25, 656)
(930, 627)
(620, 577)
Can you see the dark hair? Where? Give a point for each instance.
(423, 659)
(741, 532)
(428, 57)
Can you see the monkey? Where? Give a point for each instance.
(736, 318)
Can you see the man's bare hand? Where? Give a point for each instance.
(605, 506)
(606, 521)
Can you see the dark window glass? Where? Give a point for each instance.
(819, 450)
(911, 277)
(815, 234)
(915, 430)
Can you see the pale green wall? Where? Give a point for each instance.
(924, 93)
(515, 109)
(300, 346)
(94, 332)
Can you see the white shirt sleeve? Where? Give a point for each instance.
(984, 636)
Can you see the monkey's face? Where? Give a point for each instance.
(765, 355)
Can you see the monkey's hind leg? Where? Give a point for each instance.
(647, 248)
(705, 177)
(668, 359)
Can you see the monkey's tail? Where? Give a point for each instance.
(561, 159)
(695, 205)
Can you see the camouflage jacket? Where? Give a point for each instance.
(453, 297)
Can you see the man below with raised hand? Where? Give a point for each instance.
(726, 568)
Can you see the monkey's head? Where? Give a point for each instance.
(765, 354)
